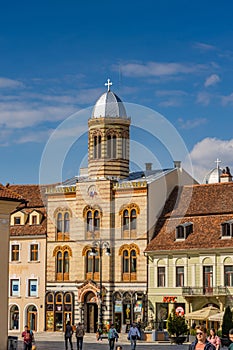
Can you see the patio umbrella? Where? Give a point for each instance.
(202, 314)
(217, 317)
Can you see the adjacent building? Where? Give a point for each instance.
(191, 254)
(27, 260)
(9, 200)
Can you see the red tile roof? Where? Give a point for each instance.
(8, 194)
(34, 196)
(206, 206)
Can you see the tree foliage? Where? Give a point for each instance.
(227, 322)
(176, 324)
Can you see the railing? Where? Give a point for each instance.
(195, 291)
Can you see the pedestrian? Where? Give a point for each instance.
(28, 338)
(68, 335)
(214, 339)
(112, 337)
(231, 339)
(133, 335)
(99, 333)
(79, 335)
(201, 341)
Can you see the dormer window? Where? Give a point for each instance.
(183, 230)
(227, 229)
(35, 218)
(17, 220)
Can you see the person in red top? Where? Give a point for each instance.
(27, 338)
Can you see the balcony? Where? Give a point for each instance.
(204, 291)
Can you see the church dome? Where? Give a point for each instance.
(109, 105)
(213, 176)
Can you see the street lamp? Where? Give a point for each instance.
(98, 247)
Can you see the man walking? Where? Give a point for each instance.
(68, 335)
(79, 335)
(133, 335)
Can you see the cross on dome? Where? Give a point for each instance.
(108, 84)
(217, 161)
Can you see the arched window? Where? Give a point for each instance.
(96, 220)
(129, 265)
(112, 146)
(66, 223)
(129, 223)
(93, 223)
(63, 226)
(89, 221)
(62, 265)
(97, 147)
(124, 147)
(59, 222)
(125, 261)
(92, 265)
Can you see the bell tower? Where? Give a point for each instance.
(108, 139)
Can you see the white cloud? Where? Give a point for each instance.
(205, 153)
(204, 46)
(9, 83)
(192, 123)
(158, 69)
(22, 115)
(203, 98)
(227, 99)
(212, 80)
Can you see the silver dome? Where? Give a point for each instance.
(109, 105)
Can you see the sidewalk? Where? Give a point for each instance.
(89, 338)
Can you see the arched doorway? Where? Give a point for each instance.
(90, 313)
(14, 317)
(32, 317)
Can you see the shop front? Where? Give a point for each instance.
(128, 307)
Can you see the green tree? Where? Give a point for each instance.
(227, 322)
(176, 324)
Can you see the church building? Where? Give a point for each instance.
(99, 224)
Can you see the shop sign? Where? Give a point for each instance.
(118, 306)
(180, 311)
(169, 299)
(138, 306)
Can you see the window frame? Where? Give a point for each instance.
(129, 220)
(11, 285)
(62, 264)
(17, 252)
(228, 276)
(129, 264)
(161, 276)
(92, 223)
(34, 251)
(184, 230)
(63, 225)
(32, 282)
(179, 276)
(227, 229)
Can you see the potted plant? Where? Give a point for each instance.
(177, 328)
(227, 324)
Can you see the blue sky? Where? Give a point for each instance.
(174, 57)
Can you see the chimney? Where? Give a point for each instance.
(226, 175)
(148, 166)
(177, 163)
